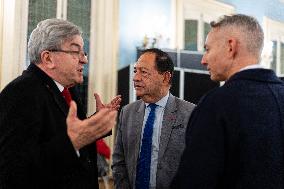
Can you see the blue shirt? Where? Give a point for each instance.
(156, 135)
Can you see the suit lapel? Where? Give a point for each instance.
(59, 100)
(50, 86)
(137, 126)
(169, 120)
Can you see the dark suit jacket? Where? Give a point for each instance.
(128, 141)
(235, 136)
(35, 150)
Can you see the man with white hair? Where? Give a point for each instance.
(41, 144)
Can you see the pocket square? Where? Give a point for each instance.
(171, 117)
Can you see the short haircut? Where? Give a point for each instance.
(50, 34)
(249, 27)
(163, 61)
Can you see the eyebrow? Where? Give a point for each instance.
(75, 44)
(135, 67)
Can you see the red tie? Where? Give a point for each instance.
(67, 96)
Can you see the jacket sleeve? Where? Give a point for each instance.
(119, 169)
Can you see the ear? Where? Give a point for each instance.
(47, 59)
(167, 77)
(232, 47)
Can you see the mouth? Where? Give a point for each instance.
(137, 87)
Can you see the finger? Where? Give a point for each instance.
(72, 114)
(116, 99)
(97, 98)
(116, 107)
(115, 103)
(99, 104)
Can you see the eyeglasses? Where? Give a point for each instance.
(80, 54)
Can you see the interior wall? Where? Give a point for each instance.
(1, 36)
(139, 18)
(273, 9)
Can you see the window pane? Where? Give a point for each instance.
(40, 10)
(207, 28)
(282, 58)
(190, 35)
(274, 51)
(79, 12)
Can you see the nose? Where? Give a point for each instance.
(203, 60)
(136, 77)
(83, 59)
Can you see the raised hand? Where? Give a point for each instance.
(113, 105)
(84, 132)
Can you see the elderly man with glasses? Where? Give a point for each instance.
(46, 141)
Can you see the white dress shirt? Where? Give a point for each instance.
(156, 135)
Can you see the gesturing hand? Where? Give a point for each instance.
(84, 132)
(114, 104)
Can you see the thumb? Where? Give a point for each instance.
(72, 114)
(99, 104)
(98, 98)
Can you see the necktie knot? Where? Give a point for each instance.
(67, 95)
(153, 106)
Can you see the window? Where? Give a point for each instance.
(40, 10)
(274, 55)
(282, 58)
(79, 12)
(190, 35)
(196, 18)
(207, 28)
(273, 46)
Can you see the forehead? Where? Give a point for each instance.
(216, 35)
(146, 60)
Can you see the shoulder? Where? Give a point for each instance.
(22, 85)
(20, 94)
(133, 106)
(184, 103)
(220, 99)
(180, 104)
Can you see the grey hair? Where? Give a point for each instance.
(50, 34)
(249, 27)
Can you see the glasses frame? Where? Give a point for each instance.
(80, 54)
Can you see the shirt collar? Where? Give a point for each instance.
(60, 87)
(162, 102)
(254, 66)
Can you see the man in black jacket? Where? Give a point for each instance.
(235, 135)
(41, 144)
